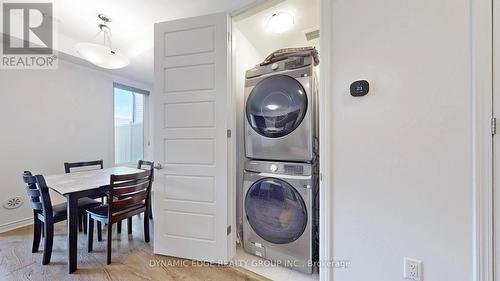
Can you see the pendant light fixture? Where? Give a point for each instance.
(102, 55)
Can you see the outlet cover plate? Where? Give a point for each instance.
(413, 269)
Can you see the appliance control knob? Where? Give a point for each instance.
(274, 66)
(273, 168)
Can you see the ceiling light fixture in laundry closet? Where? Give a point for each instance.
(280, 22)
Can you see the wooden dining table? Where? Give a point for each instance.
(77, 185)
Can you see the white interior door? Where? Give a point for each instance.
(192, 106)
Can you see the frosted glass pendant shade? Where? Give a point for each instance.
(102, 56)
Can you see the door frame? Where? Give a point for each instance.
(483, 255)
(325, 132)
(326, 186)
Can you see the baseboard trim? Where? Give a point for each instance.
(15, 224)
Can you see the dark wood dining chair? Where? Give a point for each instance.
(45, 214)
(143, 165)
(127, 196)
(88, 165)
(97, 164)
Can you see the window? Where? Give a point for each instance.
(129, 123)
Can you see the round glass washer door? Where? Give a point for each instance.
(276, 106)
(275, 211)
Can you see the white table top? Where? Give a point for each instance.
(85, 180)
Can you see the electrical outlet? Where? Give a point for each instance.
(413, 269)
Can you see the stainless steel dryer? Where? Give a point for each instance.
(281, 115)
(279, 213)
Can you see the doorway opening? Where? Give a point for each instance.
(256, 33)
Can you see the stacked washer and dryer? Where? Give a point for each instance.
(280, 182)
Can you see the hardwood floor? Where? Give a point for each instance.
(132, 259)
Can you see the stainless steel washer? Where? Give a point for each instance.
(279, 213)
(281, 115)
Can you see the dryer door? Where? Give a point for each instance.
(275, 211)
(276, 106)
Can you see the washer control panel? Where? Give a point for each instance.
(286, 168)
(294, 169)
(273, 168)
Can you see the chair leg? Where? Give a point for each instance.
(119, 227)
(146, 227)
(108, 248)
(90, 233)
(99, 231)
(129, 225)
(80, 223)
(43, 228)
(85, 226)
(37, 234)
(47, 246)
(150, 210)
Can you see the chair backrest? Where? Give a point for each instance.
(146, 165)
(131, 191)
(38, 192)
(68, 166)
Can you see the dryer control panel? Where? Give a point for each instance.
(285, 64)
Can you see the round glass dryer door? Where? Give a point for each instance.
(276, 106)
(275, 211)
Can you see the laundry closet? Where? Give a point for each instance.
(236, 137)
(277, 135)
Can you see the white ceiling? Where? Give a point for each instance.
(132, 25)
(252, 25)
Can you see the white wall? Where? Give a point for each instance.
(49, 117)
(245, 56)
(402, 168)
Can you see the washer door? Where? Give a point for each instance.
(276, 106)
(275, 211)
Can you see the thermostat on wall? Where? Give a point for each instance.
(359, 88)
